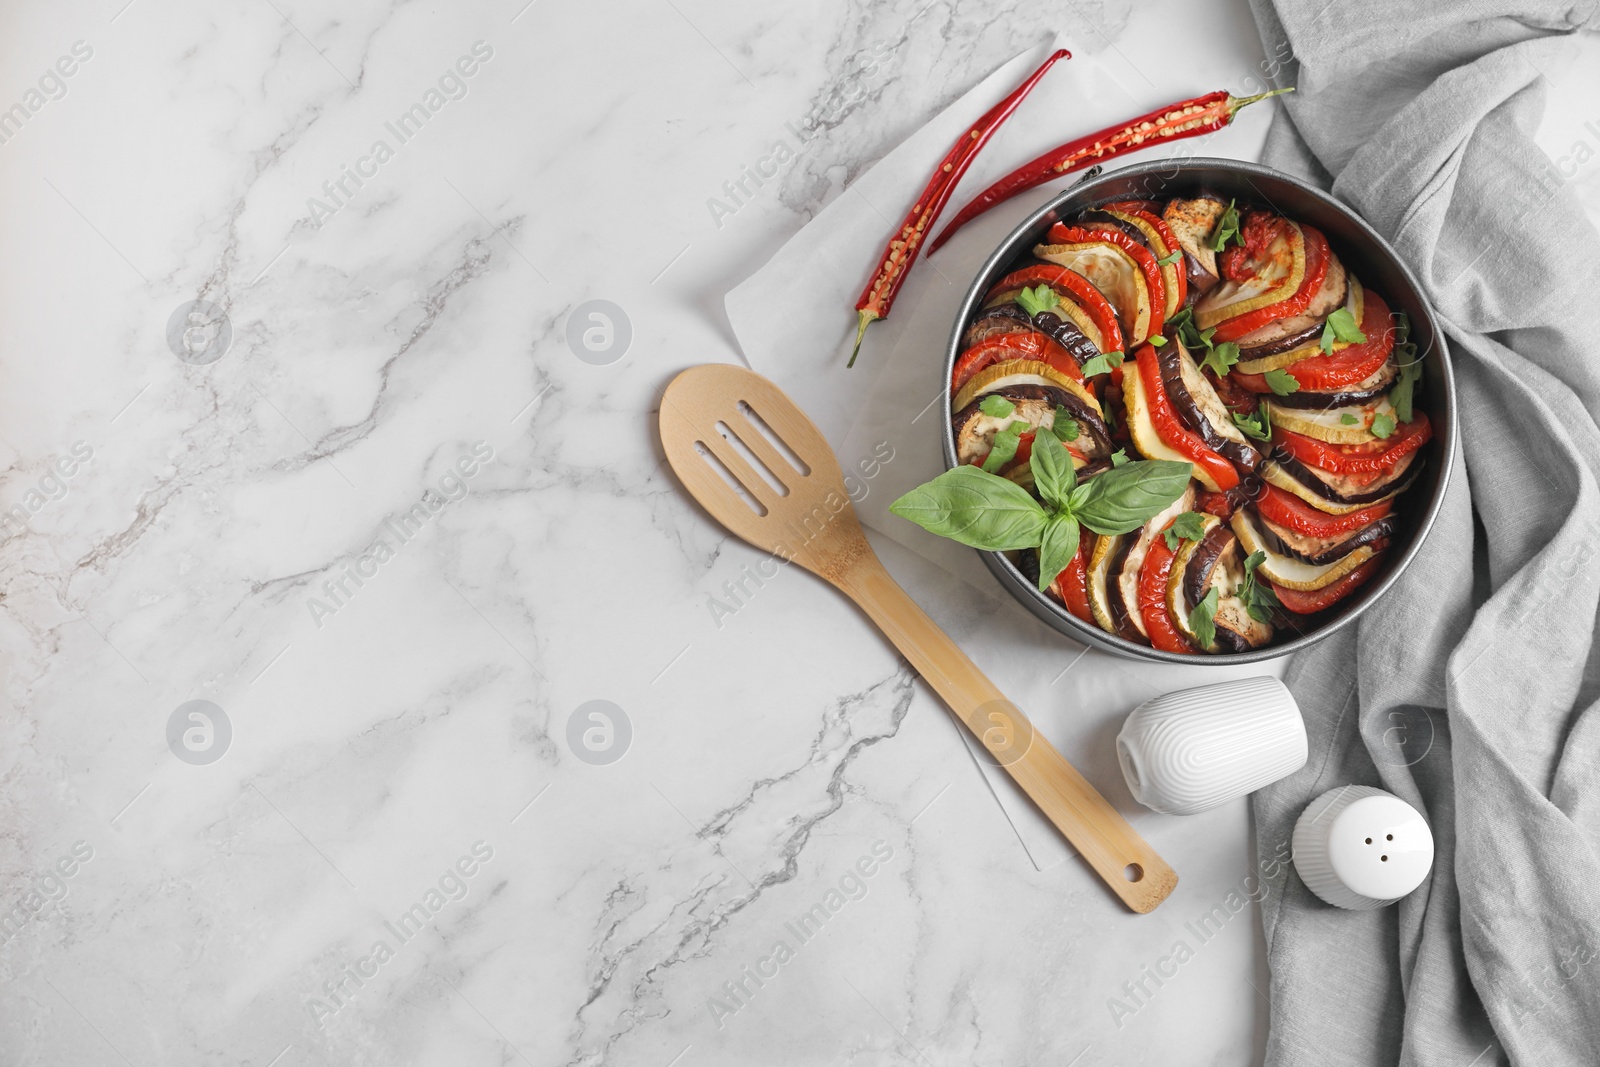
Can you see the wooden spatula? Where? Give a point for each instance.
(715, 415)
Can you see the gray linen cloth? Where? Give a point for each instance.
(1470, 690)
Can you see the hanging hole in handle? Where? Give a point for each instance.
(1133, 872)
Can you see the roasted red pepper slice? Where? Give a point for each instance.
(1346, 366)
(1020, 344)
(1072, 584)
(1218, 504)
(1317, 255)
(1081, 289)
(1061, 233)
(1303, 603)
(1374, 457)
(1171, 429)
(1153, 575)
(1290, 511)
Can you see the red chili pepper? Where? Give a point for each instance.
(1373, 458)
(1290, 511)
(1153, 575)
(878, 297)
(1187, 118)
(1304, 603)
(1072, 584)
(1171, 429)
(1317, 256)
(1019, 344)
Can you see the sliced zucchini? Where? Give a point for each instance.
(1146, 441)
(1014, 372)
(1350, 425)
(1126, 578)
(1355, 302)
(1280, 277)
(1112, 271)
(1292, 573)
(1105, 550)
(1274, 473)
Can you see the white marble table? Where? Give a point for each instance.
(393, 533)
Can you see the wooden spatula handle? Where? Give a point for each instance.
(1113, 848)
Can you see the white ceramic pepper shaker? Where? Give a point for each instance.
(1194, 749)
(1360, 848)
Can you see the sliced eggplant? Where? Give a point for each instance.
(1279, 344)
(1320, 550)
(1191, 223)
(1201, 409)
(1066, 332)
(1289, 572)
(1112, 271)
(1002, 318)
(1237, 629)
(1274, 277)
(1125, 572)
(1348, 424)
(1035, 405)
(1314, 486)
(1218, 548)
(1015, 372)
(1178, 603)
(1066, 307)
(1142, 431)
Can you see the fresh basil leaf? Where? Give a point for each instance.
(1102, 364)
(1065, 427)
(1190, 526)
(1281, 382)
(1158, 340)
(1079, 494)
(1119, 458)
(996, 405)
(1129, 494)
(977, 509)
(1226, 229)
(1221, 358)
(1203, 619)
(1053, 476)
(1040, 298)
(1382, 425)
(1004, 448)
(1348, 419)
(1171, 257)
(1057, 547)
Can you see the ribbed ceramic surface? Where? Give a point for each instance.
(1317, 853)
(1194, 749)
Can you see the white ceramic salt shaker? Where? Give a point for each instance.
(1360, 848)
(1194, 749)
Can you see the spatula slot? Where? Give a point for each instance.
(755, 462)
(727, 476)
(773, 439)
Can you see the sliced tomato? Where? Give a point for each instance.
(1171, 429)
(1317, 257)
(1373, 457)
(1153, 575)
(1216, 504)
(1153, 278)
(1072, 584)
(1019, 344)
(1288, 510)
(1075, 285)
(1347, 366)
(1302, 603)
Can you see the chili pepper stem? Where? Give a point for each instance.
(1237, 102)
(867, 319)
